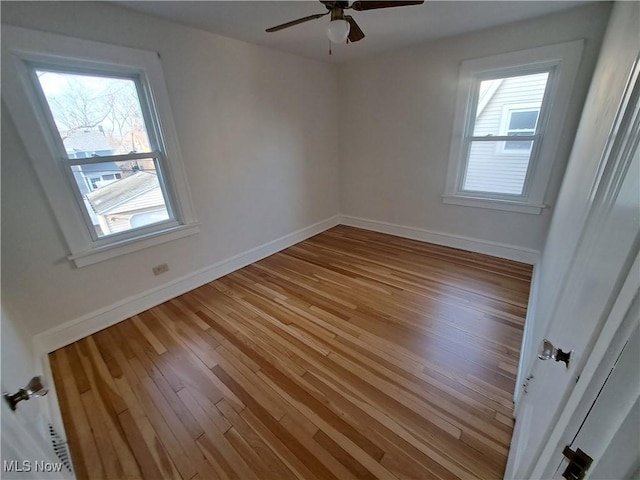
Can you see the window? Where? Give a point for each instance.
(494, 164)
(520, 122)
(100, 121)
(508, 124)
(96, 122)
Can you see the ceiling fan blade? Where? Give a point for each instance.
(355, 32)
(372, 5)
(296, 22)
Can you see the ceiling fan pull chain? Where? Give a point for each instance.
(330, 47)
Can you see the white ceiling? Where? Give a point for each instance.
(385, 29)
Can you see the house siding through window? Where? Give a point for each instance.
(493, 169)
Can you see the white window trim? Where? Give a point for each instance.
(20, 45)
(565, 59)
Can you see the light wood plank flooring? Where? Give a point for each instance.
(350, 355)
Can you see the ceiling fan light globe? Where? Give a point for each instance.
(338, 31)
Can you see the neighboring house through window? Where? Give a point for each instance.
(134, 196)
(98, 110)
(89, 143)
(508, 123)
(519, 122)
(509, 107)
(77, 101)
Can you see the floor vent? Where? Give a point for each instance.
(61, 449)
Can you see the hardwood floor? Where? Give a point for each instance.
(350, 355)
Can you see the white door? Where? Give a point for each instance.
(602, 260)
(610, 434)
(26, 451)
(26, 445)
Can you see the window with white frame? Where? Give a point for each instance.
(96, 122)
(519, 121)
(494, 164)
(508, 124)
(105, 112)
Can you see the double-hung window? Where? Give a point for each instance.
(503, 133)
(96, 122)
(103, 123)
(509, 115)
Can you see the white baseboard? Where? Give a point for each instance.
(95, 321)
(494, 249)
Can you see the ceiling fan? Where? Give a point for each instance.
(343, 27)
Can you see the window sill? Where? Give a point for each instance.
(99, 254)
(494, 204)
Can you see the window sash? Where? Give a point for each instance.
(499, 195)
(133, 232)
(142, 89)
(153, 134)
(470, 123)
(494, 194)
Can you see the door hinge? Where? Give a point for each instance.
(579, 463)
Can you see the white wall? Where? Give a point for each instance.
(396, 118)
(257, 130)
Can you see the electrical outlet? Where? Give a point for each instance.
(157, 270)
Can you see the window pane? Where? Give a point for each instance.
(120, 196)
(509, 103)
(490, 170)
(95, 115)
(523, 120)
(519, 146)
